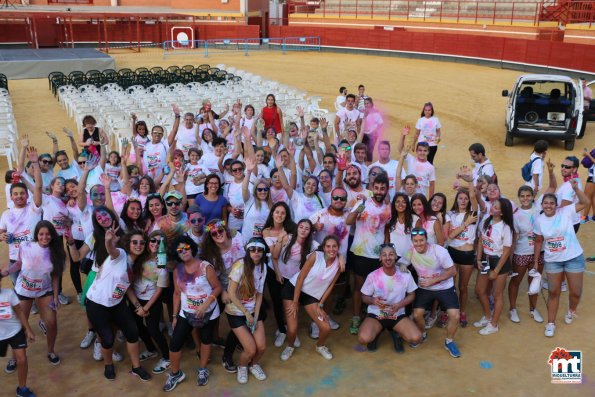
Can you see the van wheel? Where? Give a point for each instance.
(509, 139)
(569, 145)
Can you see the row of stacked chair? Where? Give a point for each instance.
(3, 81)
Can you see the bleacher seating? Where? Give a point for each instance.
(8, 127)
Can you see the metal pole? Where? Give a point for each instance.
(105, 33)
(512, 13)
(390, 6)
(138, 32)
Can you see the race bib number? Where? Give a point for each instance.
(5, 311)
(555, 244)
(487, 242)
(384, 315)
(119, 291)
(531, 239)
(429, 138)
(31, 284)
(194, 302)
(257, 232)
(464, 236)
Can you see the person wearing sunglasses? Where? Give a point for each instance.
(233, 193)
(149, 283)
(245, 311)
(105, 299)
(43, 161)
(387, 291)
(195, 305)
(563, 254)
(566, 194)
(436, 272)
(197, 230)
(257, 203)
(175, 223)
(68, 170)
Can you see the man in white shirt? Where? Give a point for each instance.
(341, 98)
(155, 152)
(348, 114)
(389, 165)
(565, 193)
(422, 169)
(483, 166)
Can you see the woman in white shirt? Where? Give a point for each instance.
(398, 229)
(311, 287)
(428, 129)
(563, 254)
(245, 312)
(493, 261)
(41, 263)
(257, 203)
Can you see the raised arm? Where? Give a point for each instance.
(553, 183)
(404, 134)
(73, 145)
(55, 147)
(106, 182)
(398, 180)
(171, 137)
(250, 166)
(34, 159)
(91, 163)
(111, 241)
(325, 138)
(283, 178)
(583, 200)
(23, 154)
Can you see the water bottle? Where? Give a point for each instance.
(161, 255)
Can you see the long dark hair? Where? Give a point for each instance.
(210, 251)
(99, 235)
(395, 216)
(428, 211)
(56, 247)
(137, 266)
(152, 188)
(146, 215)
(506, 209)
(183, 239)
(455, 204)
(131, 224)
(306, 245)
(247, 286)
(288, 224)
(443, 209)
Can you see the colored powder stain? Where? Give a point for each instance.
(471, 390)
(359, 348)
(485, 364)
(331, 380)
(309, 390)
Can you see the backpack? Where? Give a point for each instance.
(526, 170)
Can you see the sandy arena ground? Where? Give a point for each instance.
(467, 100)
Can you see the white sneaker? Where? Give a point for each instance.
(488, 329)
(63, 299)
(242, 375)
(564, 286)
(287, 353)
(162, 366)
(514, 316)
(431, 320)
(550, 329)
(78, 298)
(481, 323)
(120, 336)
(334, 325)
(117, 357)
(279, 338)
(147, 355)
(314, 331)
(97, 351)
(570, 316)
(536, 316)
(297, 342)
(324, 352)
(87, 340)
(257, 372)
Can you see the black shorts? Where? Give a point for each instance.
(590, 180)
(18, 341)
(239, 321)
(446, 297)
(462, 257)
(192, 196)
(493, 262)
(305, 299)
(26, 298)
(363, 266)
(387, 323)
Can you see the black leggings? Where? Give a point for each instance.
(432, 153)
(275, 291)
(102, 318)
(75, 269)
(184, 329)
(150, 332)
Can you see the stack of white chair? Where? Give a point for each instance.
(8, 129)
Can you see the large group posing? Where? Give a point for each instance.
(199, 219)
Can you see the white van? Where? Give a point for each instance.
(544, 106)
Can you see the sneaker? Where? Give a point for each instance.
(339, 306)
(162, 365)
(314, 331)
(591, 258)
(287, 353)
(87, 340)
(203, 377)
(424, 337)
(354, 328)
(584, 220)
(489, 329)
(63, 299)
(564, 286)
(397, 342)
(120, 336)
(229, 365)
(34, 308)
(25, 392)
(373, 346)
(257, 372)
(141, 373)
(334, 325)
(514, 316)
(570, 316)
(54, 358)
(324, 352)
(173, 380)
(11, 366)
(242, 375)
(97, 351)
(147, 355)
(279, 338)
(550, 329)
(481, 323)
(536, 315)
(442, 320)
(117, 357)
(42, 327)
(109, 372)
(297, 342)
(463, 320)
(452, 349)
(431, 320)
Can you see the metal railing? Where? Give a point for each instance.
(480, 11)
(240, 45)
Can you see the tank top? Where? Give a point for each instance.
(194, 290)
(94, 136)
(320, 276)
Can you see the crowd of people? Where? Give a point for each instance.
(185, 225)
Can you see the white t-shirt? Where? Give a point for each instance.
(392, 289)
(339, 101)
(278, 195)
(319, 278)
(524, 224)
(233, 193)
(565, 192)
(483, 169)
(35, 278)
(151, 279)
(210, 164)
(467, 236)
(495, 238)
(369, 230)
(344, 115)
(235, 251)
(332, 225)
(428, 129)
(428, 225)
(186, 139)
(72, 172)
(559, 239)
(20, 222)
(292, 266)
(249, 303)
(193, 172)
(536, 168)
(194, 291)
(76, 229)
(10, 325)
(391, 170)
(254, 219)
(373, 123)
(424, 172)
(111, 282)
(303, 207)
(431, 263)
(400, 239)
(155, 157)
(55, 211)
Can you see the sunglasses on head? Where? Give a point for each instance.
(187, 247)
(155, 240)
(137, 242)
(262, 189)
(172, 203)
(196, 221)
(153, 195)
(255, 249)
(391, 245)
(214, 226)
(339, 198)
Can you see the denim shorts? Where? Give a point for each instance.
(574, 265)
